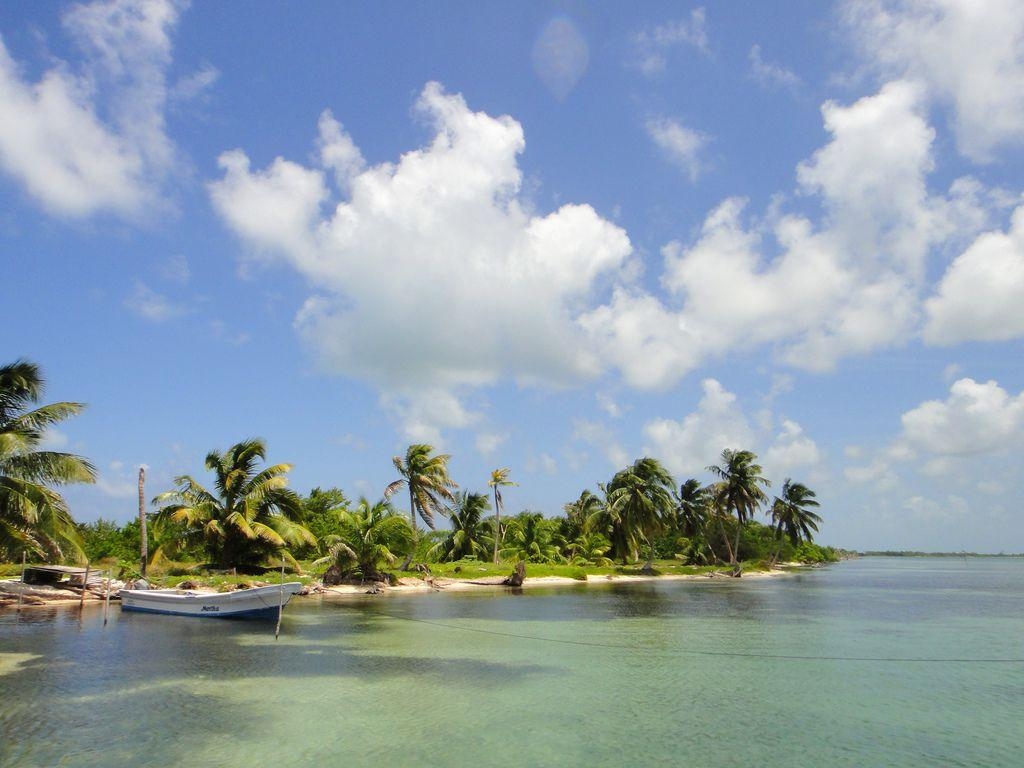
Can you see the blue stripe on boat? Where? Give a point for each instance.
(256, 613)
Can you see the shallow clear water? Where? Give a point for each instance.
(783, 671)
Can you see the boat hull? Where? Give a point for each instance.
(255, 603)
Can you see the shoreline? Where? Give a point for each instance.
(415, 586)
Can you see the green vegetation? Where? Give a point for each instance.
(34, 518)
(250, 521)
(252, 518)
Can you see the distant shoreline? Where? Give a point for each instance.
(911, 553)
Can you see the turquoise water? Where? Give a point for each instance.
(772, 672)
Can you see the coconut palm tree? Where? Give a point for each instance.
(34, 518)
(791, 514)
(427, 478)
(638, 506)
(739, 492)
(251, 516)
(370, 535)
(581, 515)
(693, 511)
(530, 538)
(499, 478)
(470, 535)
(589, 548)
(691, 507)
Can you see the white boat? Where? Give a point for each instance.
(254, 603)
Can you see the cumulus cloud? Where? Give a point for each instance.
(422, 414)
(791, 450)
(980, 296)
(433, 269)
(681, 145)
(652, 46)
(847, 285)
(977, 418)
(970, 55)
(718, 423)
(687, 446)
(92, 139)
(976, 429)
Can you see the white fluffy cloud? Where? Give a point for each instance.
(688, 446)
(970, 55)
(430, 270)
(977, 418)
(718, 423)
(818, 292)
(93, 139)
(981, 296)
(681, 145)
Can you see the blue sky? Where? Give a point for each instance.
(548, 236)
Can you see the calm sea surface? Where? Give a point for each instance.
(875, 662)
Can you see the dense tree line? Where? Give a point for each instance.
(246, 517)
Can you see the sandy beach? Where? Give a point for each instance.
(37, 596)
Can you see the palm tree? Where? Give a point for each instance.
(530, 538)
(428, 482)
(639, 504)
(469, 535)
(34, 518)
(738, 492)
(581, 514)
(589, 548)
(791, 514)
(253, 514)
(499, 477)
(693, 510)
(370, 535)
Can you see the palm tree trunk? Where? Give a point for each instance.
(736, 550)
(412, 510)
(725, 538)
(497, 525)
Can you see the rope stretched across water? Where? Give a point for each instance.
(697, 652)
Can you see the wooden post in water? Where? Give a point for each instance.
(144, 543)
(106, 601)
(280, 603)
(85, 585)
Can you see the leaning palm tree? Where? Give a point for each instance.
(499, 478)
(791, 514)
(370, 536)
(469, 536)
(427, 477)
(738, 492)
(639, 504)
(693, 512)
(250, 517)
(34, 518)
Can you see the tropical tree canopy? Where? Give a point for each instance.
(370, 536)
(639, 503)
(471, 535)
(250, 517)
(739, 491)
(530, 537)
(34, 518)
(426, 477)
(791, 512)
